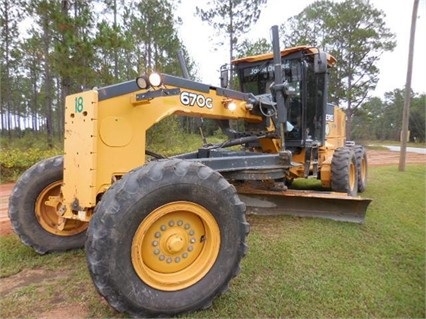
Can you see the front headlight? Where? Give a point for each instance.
(142, 82)
(155, 79)
(230, 105)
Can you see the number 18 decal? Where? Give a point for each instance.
(78, 102)
(191, 99)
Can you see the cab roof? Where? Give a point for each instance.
(268, 56)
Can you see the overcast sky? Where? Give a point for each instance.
(393, 65)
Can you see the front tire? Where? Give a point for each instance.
(166, 239)
(344, 176)
(34, 221)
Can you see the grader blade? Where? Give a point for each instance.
(329, 205)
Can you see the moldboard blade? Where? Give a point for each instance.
(330, 205)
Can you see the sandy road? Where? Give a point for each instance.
(5, 190)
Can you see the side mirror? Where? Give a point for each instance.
(320, 62)
(224, 76)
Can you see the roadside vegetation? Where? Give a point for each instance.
(18, 154)
(166, 138)
(295, 267)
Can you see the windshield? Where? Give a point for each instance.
(304, 110)
(257, 78)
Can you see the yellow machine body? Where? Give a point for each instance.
(105, 133)
(106, 139)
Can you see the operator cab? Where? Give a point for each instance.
(306, 89)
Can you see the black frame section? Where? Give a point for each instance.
(229, 161)
(111, 91)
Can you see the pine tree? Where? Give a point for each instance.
(356, 34)
(11, 14)
(232, 18)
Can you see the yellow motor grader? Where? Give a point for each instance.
(166, 235)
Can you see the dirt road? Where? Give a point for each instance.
(5, 190)
(375, 158)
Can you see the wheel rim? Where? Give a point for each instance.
(47, 215)
(175, 246)
(363, 170)
(352, 176)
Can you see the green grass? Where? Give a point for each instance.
(295, 267)
(319, 268)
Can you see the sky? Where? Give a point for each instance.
(196, 36)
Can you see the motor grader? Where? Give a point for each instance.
(166, 235)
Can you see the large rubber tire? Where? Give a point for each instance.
(344, 176)
(35, 222)
(361, 166)
(166, 239)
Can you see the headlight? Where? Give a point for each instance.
(155, 79)
(230, 105)
(142, 82)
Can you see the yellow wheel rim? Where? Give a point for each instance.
(352, 176)
(175, 246)
(363, 170)
(47, 215)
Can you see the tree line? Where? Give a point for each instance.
(382, 119)
(52, 48)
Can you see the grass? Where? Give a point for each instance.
(295, 267)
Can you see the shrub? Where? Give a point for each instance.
(14, 161)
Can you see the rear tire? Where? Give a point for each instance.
(361, 166)
(344, 176)
(35, 222)
(166, 239)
